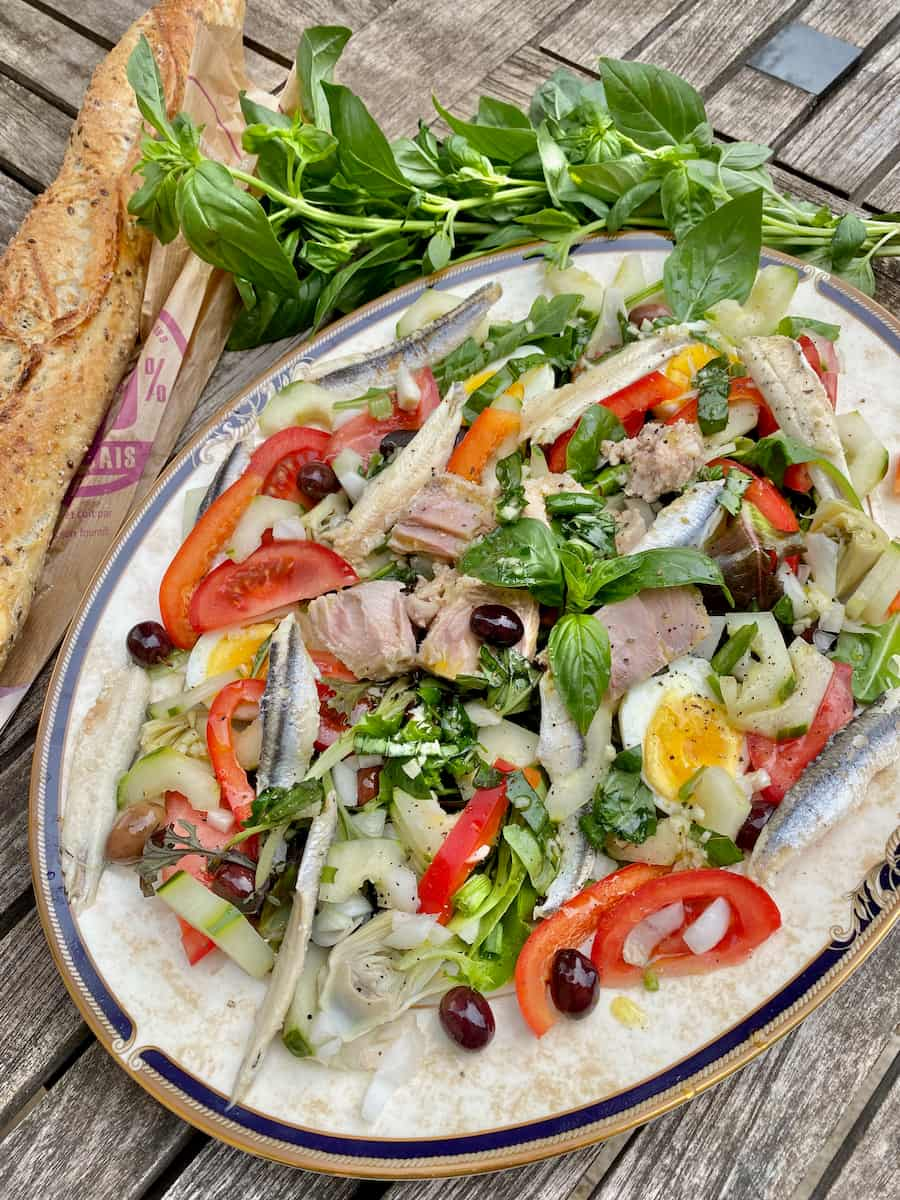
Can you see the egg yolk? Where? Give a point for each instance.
(237, 649)
(685, 734)
(684, 366)
(474, 382)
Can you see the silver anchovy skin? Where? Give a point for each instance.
(831, 785)
(686, 521)
(292, 954)
(229, 471)
(575, 867)
(560, 746)
(289, 710)
(423, 348)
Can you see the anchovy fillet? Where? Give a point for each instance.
(103, 751)
(423, 348)
(799, 402)
(687, 521)
(389, 494)
(575, 866)
(546, 416)
(831, 785)
(229, 471)
(575, 764)
(292, 954)
(289, 710)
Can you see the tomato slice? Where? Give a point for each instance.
(289, 450)
(739, 389)
(331, 667)
(754, 917)
(786, 761)
(363, 433)
(477, 826)
(236, 789)
(489, 430)
(274, 575)
(797, 478)
(566, 929)
(822, 357)
(765, 495)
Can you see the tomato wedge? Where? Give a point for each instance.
(489, 430)
(477, 826)
(739, 389)
(331, 667)
(294, 447)
(765, 495)
(754, 917)
(276, 574)
(822, 357)
(363, 433)
(180, 814)
(236, 789)
(566, 929)
(786, 761)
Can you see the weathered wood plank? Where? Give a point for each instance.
(40, 1025)
(871, 1168)
(754, 1134)
(515, 79)
(846, 139)
(33, 133)
(15, 874)
(220, 1172)
(56, 59)
(598, 27)
(759, 108)
(411, 51)
(886, 193)
(15, 202)
(95, 1135)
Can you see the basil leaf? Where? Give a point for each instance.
(598, 425)
(143, 75)
(872, 657)
(623, 806)
(274, 317)
(629, 202)
(500, 144)
(713, 381)
(720, 850)
(500, 114)
(417, 164)
(684, 202)
(511, 500)
(717, 260)
(772, 455)
(859, 272)
(318, 51)
(331, 295)
(741, 156)
(154, 203)
(792, 327)
(509, 678)
(364, 152)
(554, 163)
(579, 655)
(522, 554)
(649, 104)
(438, 253)
(848, 238)
(633, 573)
(609, 180)
(227, 227)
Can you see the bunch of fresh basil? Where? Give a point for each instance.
(342, 214)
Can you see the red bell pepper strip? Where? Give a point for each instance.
(797, 478)
(739, 389)
(487, 433)
(567, 929)
(786, 761)
(476, 828)
(754, 917)
(233, 782)
(765, 495)
(331, 667)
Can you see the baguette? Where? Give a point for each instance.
(71, 284)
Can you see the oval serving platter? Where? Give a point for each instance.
(179, 1031)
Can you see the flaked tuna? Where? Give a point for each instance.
(447, 514)
(366, 627)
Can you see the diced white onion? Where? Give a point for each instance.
(370, 822)
(408, 394)
(290, 529)
(647, 934)
(832, 619)
(399, 889)
(793, 589)
(344, 777)
(221, 819)
(410, 930)
(479, 714)
(709, 928)
(364, 761)
(346, 466)
(822, 556)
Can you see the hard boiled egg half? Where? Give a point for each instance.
(535, 382)
(681, 727)
(223, 650)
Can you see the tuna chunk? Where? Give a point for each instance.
(366, 627)
(443, 518)
(450, 648)
(663, 458)
(650, 630)
(536, 491)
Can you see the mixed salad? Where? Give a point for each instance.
(495, 653)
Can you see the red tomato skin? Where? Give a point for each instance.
(786, 761)
(797, 478)
(477, 826)
(233, 782)
(556, 455)
(363, 433)
(765, 496)
(331, 667)
(272, 576)
(567, 929)
(755, 917)
(821, 356)
(178, 811)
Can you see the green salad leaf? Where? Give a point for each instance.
(717, 260)
(579, 655)
(623, 805)
(873, 655)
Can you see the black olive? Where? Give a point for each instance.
(148, 643)
(467, 1018)
(497, 624)
(317, 480)
(396, 440)
(574, 983)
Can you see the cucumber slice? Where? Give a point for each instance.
(182, 702)
(354, 863)
(168, 770)
(509, 741)
(762, 310)
(430, 305)
(867, 458)
(260, 514)
(813, 672)
(725, 804)
(629, 277)
(769, 674)
(300, 403)
(296, 1033)
(574, 281)
(220, 921)
(874, 596)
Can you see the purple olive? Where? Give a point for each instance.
(234, 882)
(760, 812)
(317, 480)
(497, 624)
(148, 643)
(648, 312)
(574, 983)
(467, 1018)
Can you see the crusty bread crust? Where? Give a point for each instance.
(71, 284)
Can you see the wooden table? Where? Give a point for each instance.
(816, 1116)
